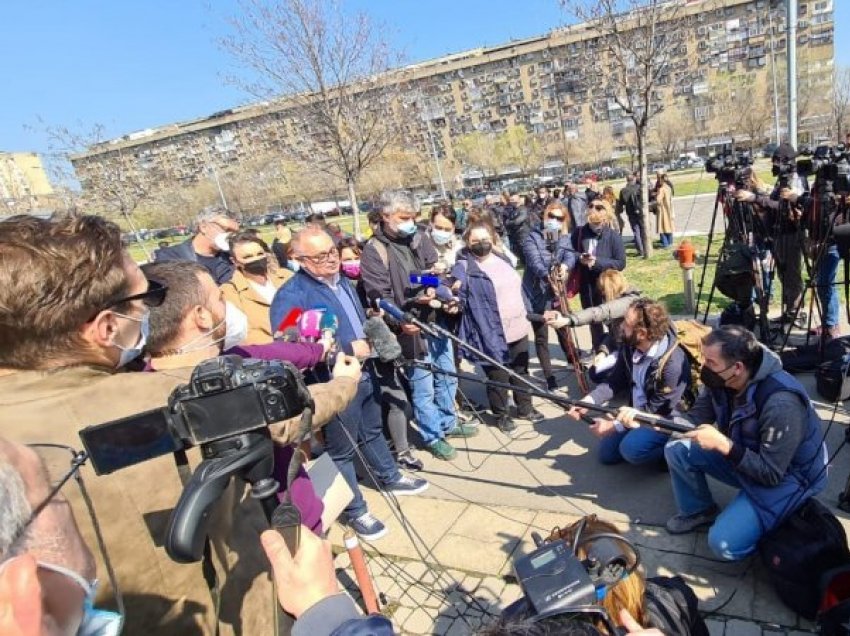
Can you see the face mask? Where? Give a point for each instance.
(481, 249)
(220, 242)
(713, 379)
(406, 228)
(259, 267)
(351, 269)
(596, 228)
(235, 326)
(553, 224)
(128, 354)
(95, 622)
(293, 265)
(441, 237)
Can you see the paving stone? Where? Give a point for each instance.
(715, 627)
(737, 627)
(401, 614)
(458, 628)
(420, 622)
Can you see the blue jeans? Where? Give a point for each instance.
(638, 234)
(737, 530)
(433, 394)
(637, 446)
(826, 286)
(666, 239)
(361, 421)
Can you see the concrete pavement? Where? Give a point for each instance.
(445, 565)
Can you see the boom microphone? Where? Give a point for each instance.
(384, 341)
(403, 316)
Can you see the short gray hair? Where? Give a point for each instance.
(210, 213)
(309, 230)
(15, 510)
(398, 202)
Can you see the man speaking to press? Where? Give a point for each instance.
(73, 311)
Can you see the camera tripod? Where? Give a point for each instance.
(742, 227)
(822, 220)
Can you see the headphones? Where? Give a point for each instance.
(606, 561)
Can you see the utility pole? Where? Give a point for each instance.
(791, 48)
(214, 174)
(775, 81)
(427, 113)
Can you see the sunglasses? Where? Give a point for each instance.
(557, 217)
(597, 206)
(153, 296)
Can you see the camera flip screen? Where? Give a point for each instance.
(130, 440)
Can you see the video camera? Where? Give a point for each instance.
(557, 584)
(731, 169)
(829, 164)
(225, 409)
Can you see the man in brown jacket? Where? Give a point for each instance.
(73, 310)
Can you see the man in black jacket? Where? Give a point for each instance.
(630, 202)
(657, 374)
(208, 246)
(398, 249)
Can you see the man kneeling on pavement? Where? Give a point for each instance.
(757, 432)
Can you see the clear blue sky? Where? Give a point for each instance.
(134, 64)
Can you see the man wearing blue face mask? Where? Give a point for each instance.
(398, 249)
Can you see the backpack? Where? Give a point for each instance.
(672, 607)
(799, 551)
(734, 275)
(689, 335)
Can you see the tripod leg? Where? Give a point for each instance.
(707, 256)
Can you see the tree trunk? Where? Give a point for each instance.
(644, 192)
(355, 209)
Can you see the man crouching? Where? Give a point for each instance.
(756, 431)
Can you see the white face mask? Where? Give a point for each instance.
(128, 354)
(220, 242)
(235, 331)
(235, 326)
(96, 622)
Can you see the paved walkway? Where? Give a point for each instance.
(445, 566)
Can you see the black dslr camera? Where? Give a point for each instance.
(225, 409)
(225, 396)
(731, 169)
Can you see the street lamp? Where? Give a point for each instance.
(427, 113)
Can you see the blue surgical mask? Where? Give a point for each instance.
(293, 265)
(128, 354)
(96, 622)
(553, 224)
(406, 228)
(441, 237)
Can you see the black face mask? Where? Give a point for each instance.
(481, 249)
(258, 267)
(713, 379)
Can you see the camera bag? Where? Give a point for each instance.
(798, 552)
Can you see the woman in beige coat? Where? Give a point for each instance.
(664, 210)
(254, 284)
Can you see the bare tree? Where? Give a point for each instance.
(516, 146)
(331, 70)
(669, 132)
(597, 144)
(841, 103)
(478, 150)
(639, 38)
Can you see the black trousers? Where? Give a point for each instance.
(541, 346)
(517, 362)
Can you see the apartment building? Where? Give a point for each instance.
(24, 185)
(552, 84)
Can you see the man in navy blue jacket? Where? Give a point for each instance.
(318, 283)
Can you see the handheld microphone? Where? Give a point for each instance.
(309, 325)
(288, 327)
(535, 317)
(403, 316)
(328, 325)
(384, 341)
(444, 293)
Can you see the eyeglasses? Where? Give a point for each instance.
(597, 206)
(322, 257)
(557, 217)
(153, 296)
